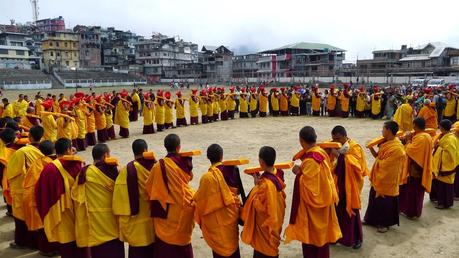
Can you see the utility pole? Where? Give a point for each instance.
(34, 10)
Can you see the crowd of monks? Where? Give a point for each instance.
(64, 205)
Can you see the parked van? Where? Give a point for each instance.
(435, 83)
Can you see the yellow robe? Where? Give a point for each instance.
(202, 107)
(210, 108)
(81, 123)
(159, 114)
(109, 119)
(50, 126)
(263, 103)
(177, 228)
(222, 104)
(450, 108)
(316, 221)
(179, 109)
(360, 105)
(404, 117)
(136, 100)
(344, 101)
(95, 222)
(244, 105)
(215, 107)
(446, 158)
(136, 230)
(39, 107)
(217, 212)
(147, 113)
(8, 111)
(387, 168)
(194, 106)
(419, 150)
(168, 116)
(230, 103)
(315, 102)
(17, 167)
(375, 105)
(31, 216)
(122, 115)
(253, 102)
(64, 131)
(430, 115)
(283, 103)
(263, 216)
(101, 120)
(90, 122)
(295, 101)
(274, 102)
(331, 101)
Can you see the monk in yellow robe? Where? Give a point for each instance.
(7, 148)
(222, 104)
(429, 114)
(210, 107)
(90, 122)
(110, 128)
(383, 205)
(349, 172)
(80, 118)
(217, 199)
(20, 106)
(194, 105)
(203, 107)
(30, 119)
(231, 103)
(168, 108)
(135, 106)
(315, 101)
(376, 102)
(180, 110)
(122, 115)
(416, 176)
(331, 101)
(295, 103)
(31, 216)
(445, 162)
(263, 102)
(131, 204)
(54, 201)
(8, 110)
(361, 102)
(344, 99)
(100, 119)
(450, 108)
(172, 202)
(313, 219)
(274, 99)
(283, 104)
(16, 169)
(253, 103)
(455, 130)
(404, 116)
(243, 104)
(64, 125)
(55, 104)
(215, 106)
(263, 212)
(160, 112)
(49, 123)
(96, 225)
(148, 111)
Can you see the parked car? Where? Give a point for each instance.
(435, 83)
(418, 83)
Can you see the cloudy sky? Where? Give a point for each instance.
(359, 26)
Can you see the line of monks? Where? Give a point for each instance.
(60, 204)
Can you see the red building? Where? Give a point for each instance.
(51, 25)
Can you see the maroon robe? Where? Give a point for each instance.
(412, 197)
(382, 211)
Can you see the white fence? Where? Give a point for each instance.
(102, 83)
(26, 85)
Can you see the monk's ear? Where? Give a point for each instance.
(177, 150)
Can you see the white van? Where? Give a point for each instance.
(435, 83)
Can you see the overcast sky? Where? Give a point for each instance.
(359, 26)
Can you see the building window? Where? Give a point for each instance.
(50, 44)
(20, 52)
(74, 44)
(51, 53)
(4, 51)
(67, 63)
(65, 44)
(57, 44)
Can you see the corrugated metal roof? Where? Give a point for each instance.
(439, 47)
(415, 58)
(308, 45)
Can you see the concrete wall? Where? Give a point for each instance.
(27, 86)
(108, 83)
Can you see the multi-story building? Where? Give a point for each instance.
(217, 63)
(300, 60)
(432, 59)
(167, 57)
(51, 25)
(61, 50)
(90, 46)
(118, 48)
(245, 66)
(16, 57)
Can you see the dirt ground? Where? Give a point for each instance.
(435, 234)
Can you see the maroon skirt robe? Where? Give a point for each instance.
(382, 211)
(412, 197)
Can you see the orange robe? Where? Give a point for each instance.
(387, 168)
(404, 117)
(313, 220)
(419, 150)
(263, 215)
(173, 213)
(217, 212)
(430, 115)
(32, 218)
(18, 165)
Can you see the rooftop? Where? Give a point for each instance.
(307, 46)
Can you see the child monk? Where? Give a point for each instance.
(194, 106)
(217, 198)
(263, 213)
(148, 111)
